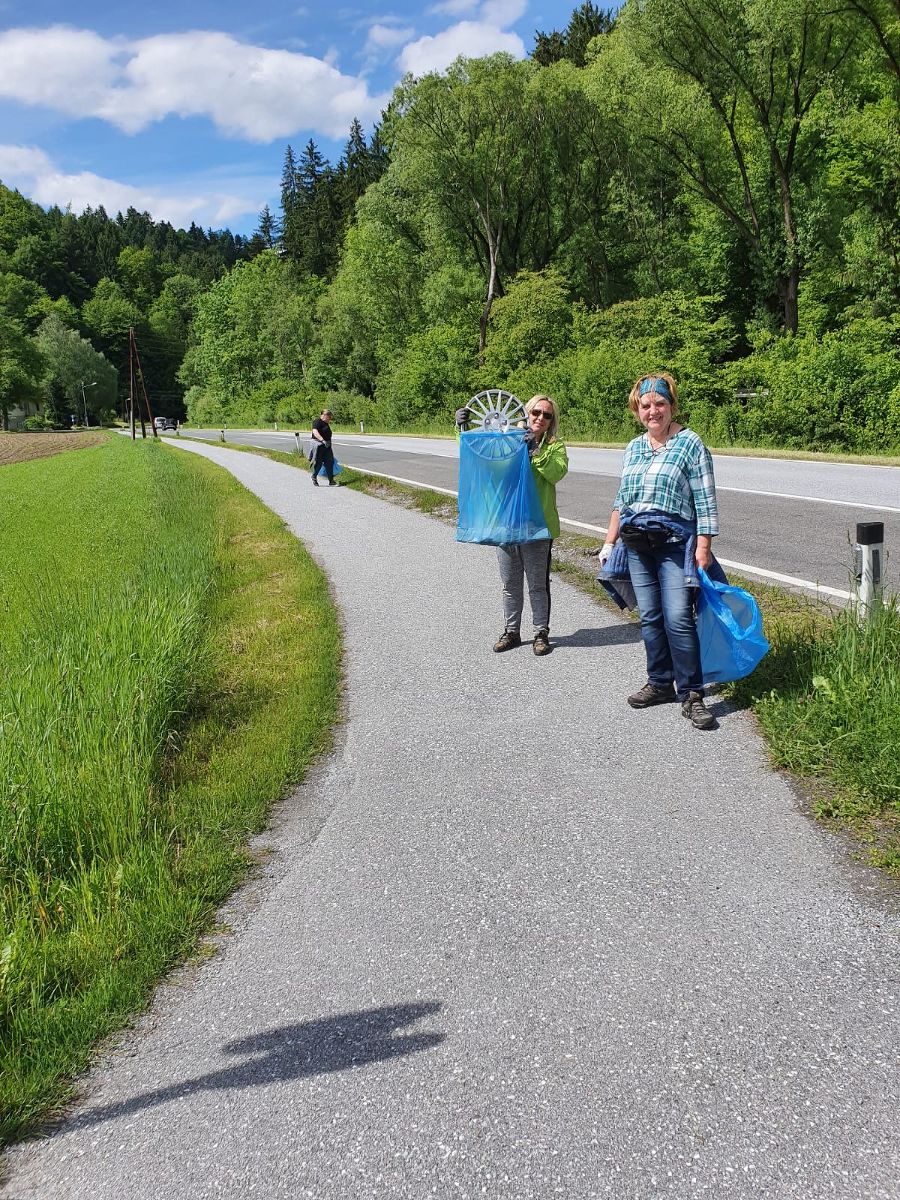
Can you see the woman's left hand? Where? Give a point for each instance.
(703, 554)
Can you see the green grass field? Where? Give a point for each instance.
(158, 691)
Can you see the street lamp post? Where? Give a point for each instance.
(84, 385)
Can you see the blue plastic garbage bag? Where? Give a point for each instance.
(498, 498)
(337, 469)
(729, 626)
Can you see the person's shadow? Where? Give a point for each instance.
(612, 635)
(336, 1043)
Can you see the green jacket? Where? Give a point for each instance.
(549, 465)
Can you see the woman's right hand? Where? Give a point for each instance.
(605, 551)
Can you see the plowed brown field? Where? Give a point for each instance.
(18, 447)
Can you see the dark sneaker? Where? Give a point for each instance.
(651, 694)
(508, 640)
(696, 712)
(315, 481)
(541, 643)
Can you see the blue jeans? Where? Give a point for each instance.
(666, 606)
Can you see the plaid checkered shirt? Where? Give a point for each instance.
(677, 479)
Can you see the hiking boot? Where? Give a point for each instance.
(508, 640)
(651, 694)
(541, 644)
(696, 712)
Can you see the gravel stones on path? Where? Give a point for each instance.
(512, 939)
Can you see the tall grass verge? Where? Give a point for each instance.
(158, 690)
(827, 697)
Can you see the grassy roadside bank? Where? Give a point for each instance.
(827, 696)
(159, 690)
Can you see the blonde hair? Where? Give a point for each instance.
(550, 434)
(634, 395)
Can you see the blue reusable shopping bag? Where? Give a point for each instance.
(729, 626)
(498, 498)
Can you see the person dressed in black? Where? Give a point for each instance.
(321, 434)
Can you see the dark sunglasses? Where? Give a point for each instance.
(542, 412)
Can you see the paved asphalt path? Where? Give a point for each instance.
(792, 518)
(512, 939)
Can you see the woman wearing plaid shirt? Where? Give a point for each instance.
(666, 503)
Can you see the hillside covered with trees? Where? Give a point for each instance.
(706, 185)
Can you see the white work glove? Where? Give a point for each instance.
(605, 551)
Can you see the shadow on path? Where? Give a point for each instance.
(613, 635)
(293, 1052)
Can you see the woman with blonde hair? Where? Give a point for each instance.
(666, 513)
(521, 561)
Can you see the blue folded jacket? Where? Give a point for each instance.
(614, 576)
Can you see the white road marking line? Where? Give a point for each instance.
(720, 487)
(399, 479)
(807, 584)
(791, 579)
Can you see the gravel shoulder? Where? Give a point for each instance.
(510, 939)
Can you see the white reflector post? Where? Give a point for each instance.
(868, 560)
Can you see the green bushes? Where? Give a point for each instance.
(608, 350)
(837, 392)
(431, 376)
(840, 391)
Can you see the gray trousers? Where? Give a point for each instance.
(518, 562)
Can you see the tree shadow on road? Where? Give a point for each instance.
(308, 1048)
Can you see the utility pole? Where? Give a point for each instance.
(84, 385)
(138, 388)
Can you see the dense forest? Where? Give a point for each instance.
(710, 186)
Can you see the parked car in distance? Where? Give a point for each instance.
(161, 424)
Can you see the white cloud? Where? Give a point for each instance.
(486, 34)
(33, 173)
(386, 36)
(502, 12)
(246, 91)
(70, 70)
(474, 39)
(454, 8)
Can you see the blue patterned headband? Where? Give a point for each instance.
(655, 384)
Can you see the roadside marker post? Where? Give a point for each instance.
(868, 559)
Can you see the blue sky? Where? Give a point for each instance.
(184, 110)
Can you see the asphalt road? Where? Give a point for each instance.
(511, 939)
(780, 519)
